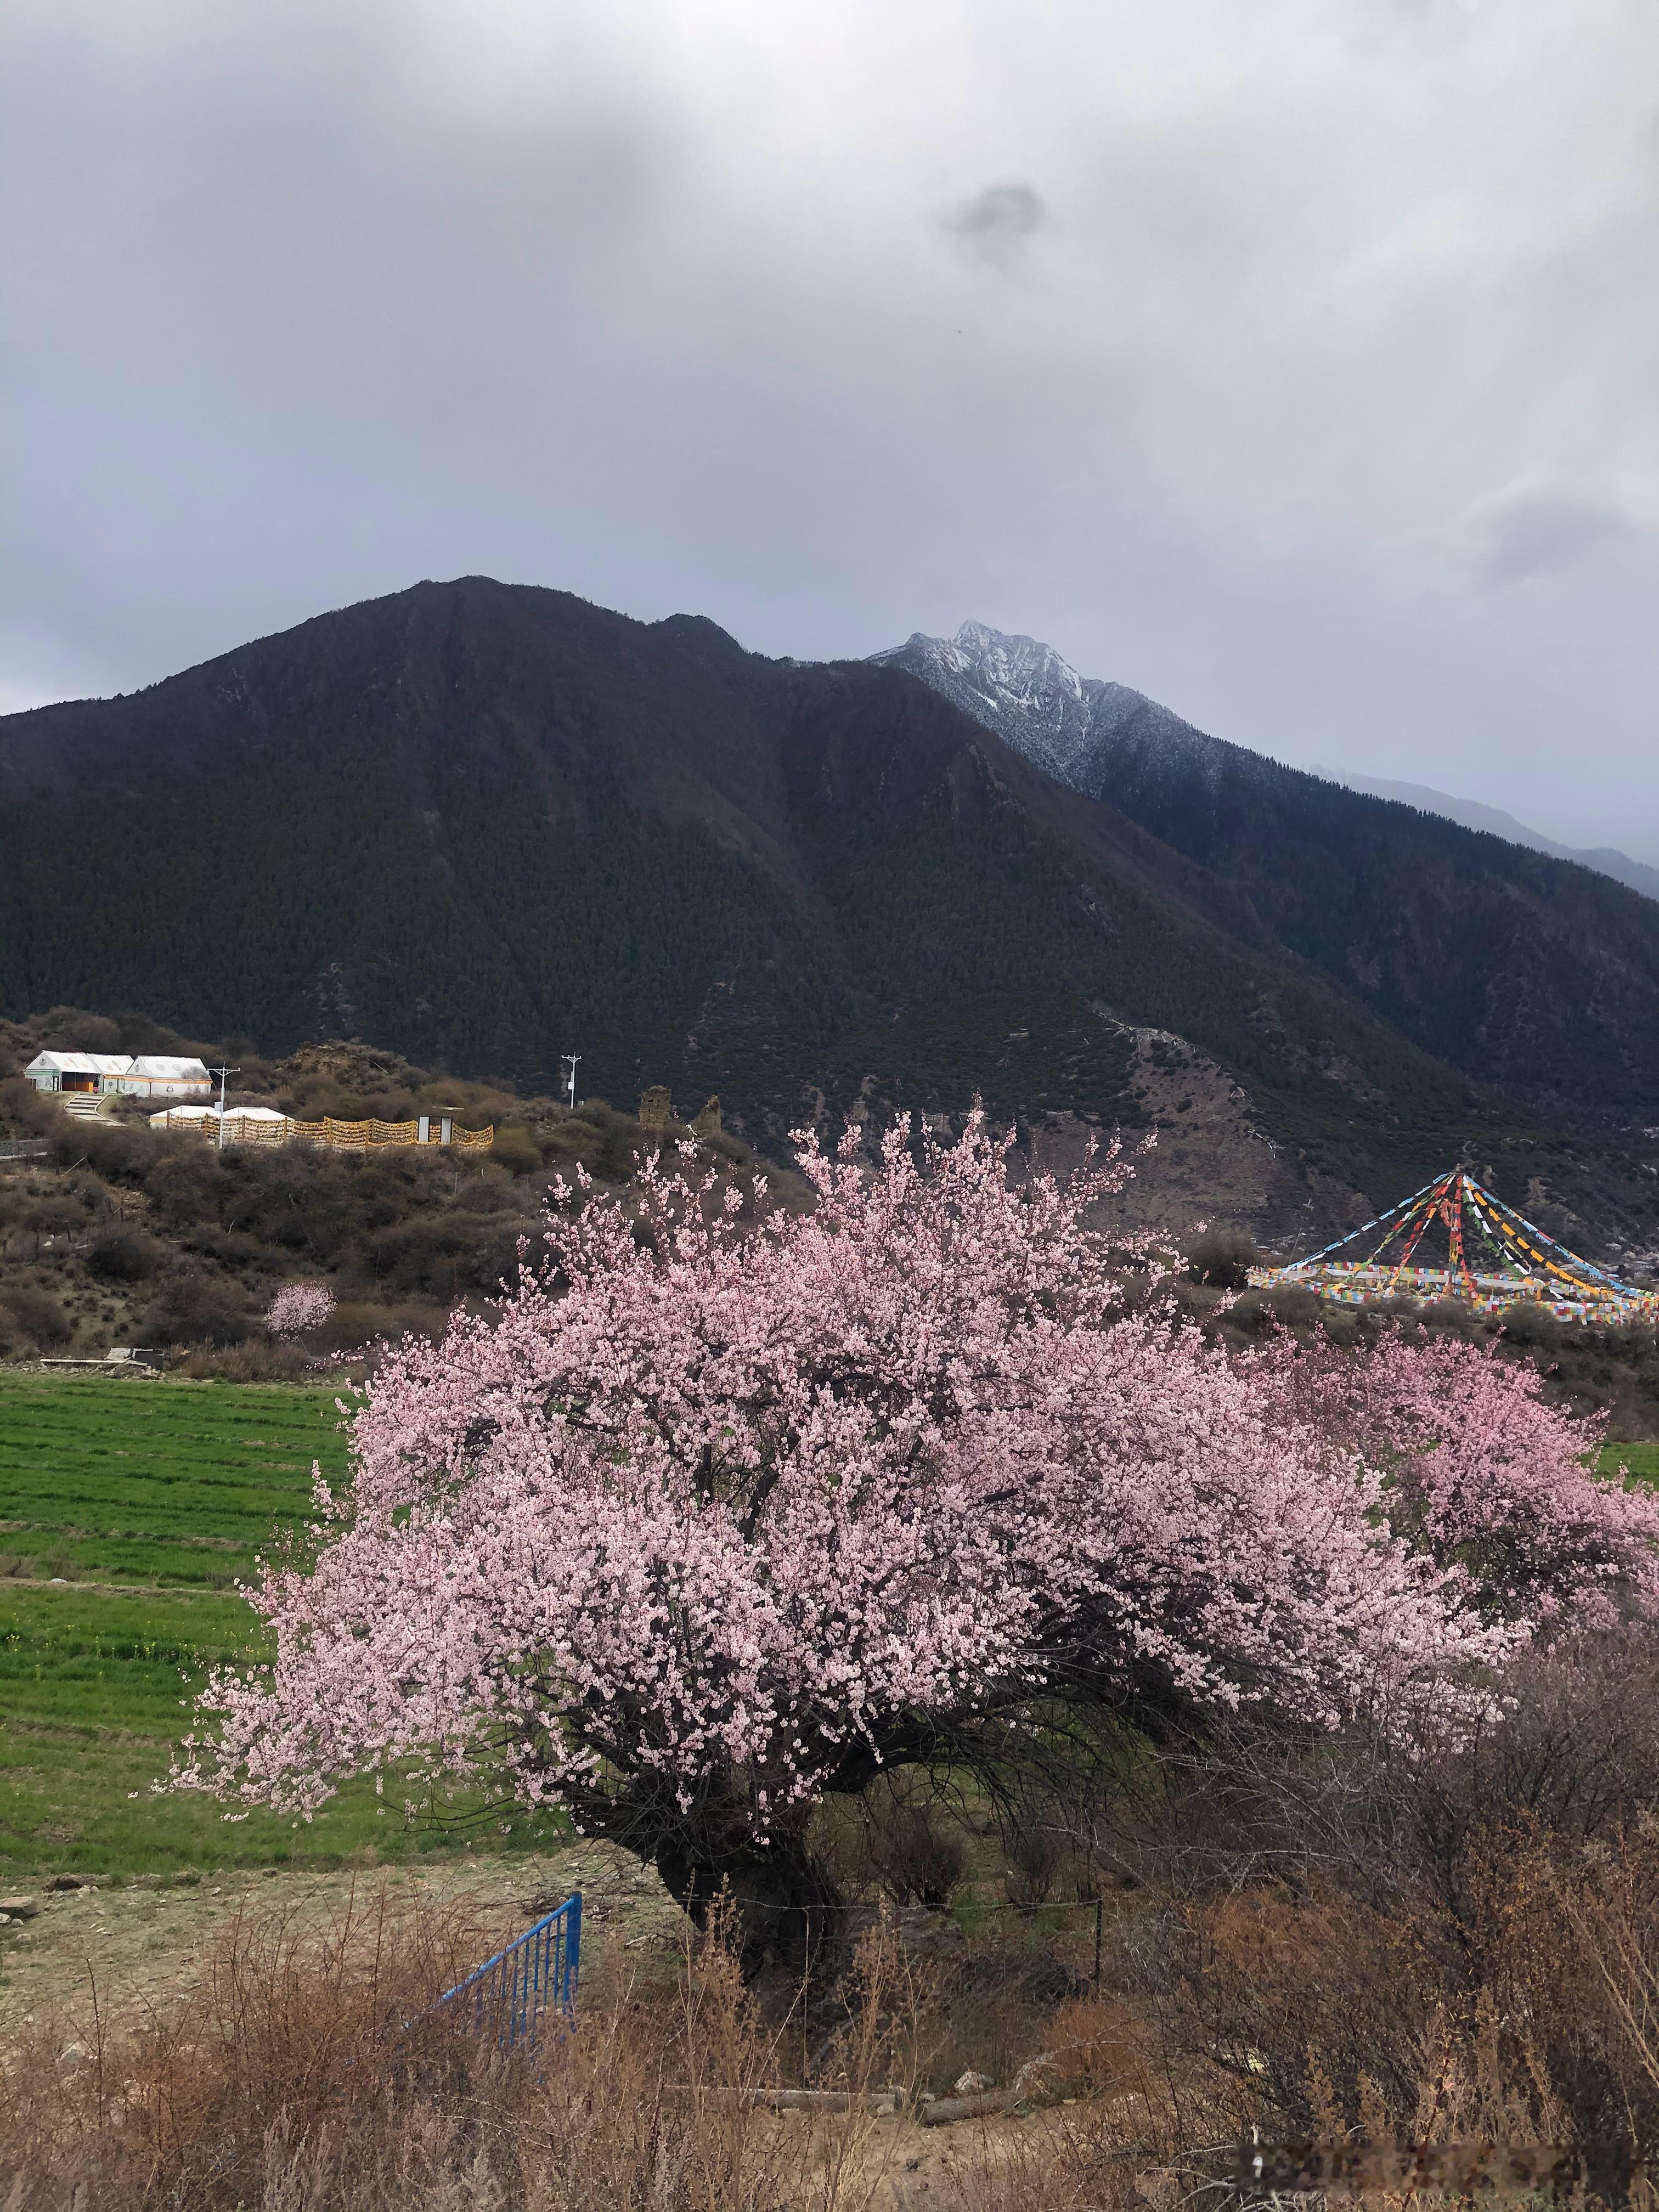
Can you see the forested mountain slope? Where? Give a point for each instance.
(1525, 970)
(485, 826)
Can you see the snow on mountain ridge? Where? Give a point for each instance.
(1102, 738)
(1068, 724)
(1028, 694)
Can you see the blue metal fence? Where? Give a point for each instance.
(510, 1994)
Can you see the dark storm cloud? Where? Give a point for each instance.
(996, 223)
(1529, 531)
(1325, 404)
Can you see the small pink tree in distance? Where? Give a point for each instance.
(719, 1516)
(298, 1307)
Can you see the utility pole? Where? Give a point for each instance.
(222, 1073)
(570, 1059)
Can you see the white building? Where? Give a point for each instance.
(98, 1074)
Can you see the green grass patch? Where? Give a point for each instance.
(112, 1481)
(95, 1690)
(1638, 1462)
(143, 1496)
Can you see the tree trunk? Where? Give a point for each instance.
(787, 1909)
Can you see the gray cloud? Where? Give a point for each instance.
(1533, 530)
(997, 223)
(306, 301)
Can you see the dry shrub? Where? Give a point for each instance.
(1037, 1845)
(255, 1361)
(358, 1323)
(193, 1306)
(1222, 1258)
(1047, 1851)
(996, 1995)
(1574, 1939)
(1097, 2045)
(39, 1316)
(1314, 2016)
(1484, 2080)
(647, 2103)
(305, 2043)
(1573, 1757)
(310, 2072)
(653, 2104)
(1266, 1977)
(124, 1256)
(897, 1839)
(1526, 2015)
(1049, 2167)
(1132, 2132)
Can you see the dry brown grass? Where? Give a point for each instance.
(309, 2072)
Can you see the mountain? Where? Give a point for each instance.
(484, 826)
(1607, 859)
(1036, 700)
(1510, 966)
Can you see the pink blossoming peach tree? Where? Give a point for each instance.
(718, 1516)
(298, 1307)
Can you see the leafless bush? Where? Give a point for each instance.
(255, 1361)
(1572, 1754)
(1573, 1945)
(193, 1306)
(1035, 1857)
(1129, 2130)
(39, 1316)
(303, 2049)
(124, 1256)
(900, 1840)
(1222, 1258)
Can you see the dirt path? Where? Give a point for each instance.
(142, 1944)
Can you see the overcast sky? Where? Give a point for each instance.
(1297, 362)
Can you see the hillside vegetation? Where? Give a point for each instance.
(127, 1234)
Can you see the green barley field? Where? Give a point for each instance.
(129, 1509)
(137, 1480)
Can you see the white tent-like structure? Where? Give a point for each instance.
(99, 1074)
(1454, 1239)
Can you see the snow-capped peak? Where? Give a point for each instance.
(1079, 731)
(1028, 694)
(1021, 667)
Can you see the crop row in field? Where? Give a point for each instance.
(159, 1482)
(95, 1690)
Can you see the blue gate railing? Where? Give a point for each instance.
(510, 1995)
